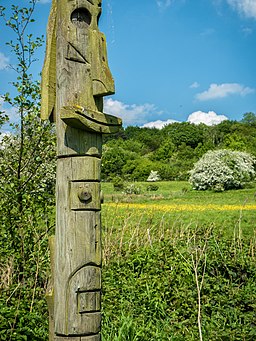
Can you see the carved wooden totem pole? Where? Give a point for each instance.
(75, 78)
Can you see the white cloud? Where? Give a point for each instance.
(209, 118)
(158, 124)
(244, 7)
(194, 85)
(163, 4)
(4, 61)
(223, 90)
(131, 114)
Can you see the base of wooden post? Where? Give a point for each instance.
(80, 338)
(50, 304)
(49, 291)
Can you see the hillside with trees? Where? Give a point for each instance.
(173, 150)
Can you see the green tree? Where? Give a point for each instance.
(27, 171)
(139, 169)
(249, 118)
(185, 132)
(114, 157)
(235, 142)
(165, 151)
(218, 132)
(150, 138)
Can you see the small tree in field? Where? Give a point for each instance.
(223, 169)
(153, 176)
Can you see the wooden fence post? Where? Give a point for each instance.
(75, 78)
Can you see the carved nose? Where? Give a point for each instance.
(103, 83)
(103, 88)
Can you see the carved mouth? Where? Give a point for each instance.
(90, 120)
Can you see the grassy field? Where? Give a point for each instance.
(179, 204)
(177, 192)
(179, 264)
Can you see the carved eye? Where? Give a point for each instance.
(81, 17)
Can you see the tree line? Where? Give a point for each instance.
(173, 150)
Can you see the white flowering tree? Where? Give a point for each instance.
(153, 176)
(223, 169)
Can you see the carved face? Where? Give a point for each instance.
(85, 64)
(91, 45)
(76, 64)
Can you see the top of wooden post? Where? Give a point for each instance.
(76, 67)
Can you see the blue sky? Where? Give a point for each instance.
(182, 60)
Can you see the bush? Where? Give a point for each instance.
(27, 180)
(222, 169)
(132, 189)
(149, 292)
(118, 183)
(152, 188)
(153, 176)
(138, 169)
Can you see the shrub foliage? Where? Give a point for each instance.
(222, 169)
(150, 287)
(27, 176)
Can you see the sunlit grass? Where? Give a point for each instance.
(175, 206)
(150, 244)
(181, 192)
(181, 207)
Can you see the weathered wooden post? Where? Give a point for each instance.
(75, 78)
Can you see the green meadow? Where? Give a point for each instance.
(179, 264)
(176, 203)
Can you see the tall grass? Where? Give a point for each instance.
(168, 279)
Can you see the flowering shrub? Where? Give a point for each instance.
(223, 169)
(132, 189)
(153, 176)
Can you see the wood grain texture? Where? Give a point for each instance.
(77, 338)
(90, 120)
(75, 78)
(50, 290)
(48, 86)
(78, 246)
